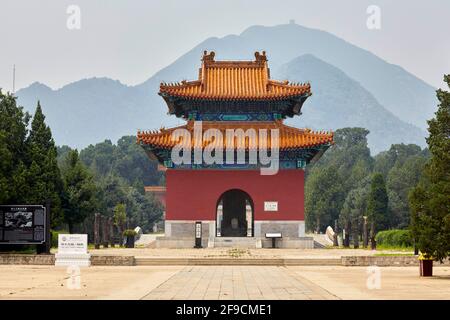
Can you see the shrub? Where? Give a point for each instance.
(55, 237)
(394, 238)
(129, 233)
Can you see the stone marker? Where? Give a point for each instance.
(97, 230)
(111, 231)
(139, 232)
(72, 250)
(105, 231)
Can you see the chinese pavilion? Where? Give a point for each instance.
(236, 204)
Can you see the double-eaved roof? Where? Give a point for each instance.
(239, 100)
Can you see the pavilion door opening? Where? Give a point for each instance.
(234, 214)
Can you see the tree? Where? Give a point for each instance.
(323, 198)
(62, 152)
(126, 160)
(402, 177)
(120, 216)
(143, 209)
(13, 151)
(429, 200)
(350, 147)
(342, 168)
(79, 191)
(352, 213)
(111, 192)
(377, 206)
(396, 155)
(44, 176)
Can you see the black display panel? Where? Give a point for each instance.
(22, 224)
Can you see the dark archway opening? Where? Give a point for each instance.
(234, 214)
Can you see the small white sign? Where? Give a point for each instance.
(72, 243)
(273, 235)
(270, 205)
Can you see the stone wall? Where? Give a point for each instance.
(186, 228)
(179, 242)
(383, 261)
(291, 243)
(28, 259)
(288, 229)
(99, 260)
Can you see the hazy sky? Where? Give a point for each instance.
(129, 40)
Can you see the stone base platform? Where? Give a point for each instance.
(235, 242)
(72, 259)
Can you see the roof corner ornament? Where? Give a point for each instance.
(208, 57)
(260, 56)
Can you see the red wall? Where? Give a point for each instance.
(193, 194)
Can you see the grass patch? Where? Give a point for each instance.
(236, 253)
(379, 247)
(393, 254)
(396, 248)
(27, 250)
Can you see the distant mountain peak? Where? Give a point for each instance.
(38, 86)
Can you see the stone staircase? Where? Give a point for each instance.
(235, 242)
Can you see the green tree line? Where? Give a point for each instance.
(348, 186)
(100, 178)
(405, 187)
(339, 184)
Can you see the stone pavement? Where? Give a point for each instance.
(238, 282)
(221, 282)
(50, 282)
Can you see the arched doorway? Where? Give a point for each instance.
(234, 214)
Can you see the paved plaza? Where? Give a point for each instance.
(221, 282)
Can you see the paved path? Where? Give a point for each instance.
(221, 282)
(238, 282)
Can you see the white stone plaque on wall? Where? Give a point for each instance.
(270, 205)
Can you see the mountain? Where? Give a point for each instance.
(405, 95)
(339, 101)
(91, 110)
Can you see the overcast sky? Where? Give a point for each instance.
(129, 40)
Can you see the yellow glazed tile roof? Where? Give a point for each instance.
(289, 137)
(234, 80)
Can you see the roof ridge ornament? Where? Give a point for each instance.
(208, 57)
(260, 57)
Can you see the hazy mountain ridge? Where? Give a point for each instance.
(339, 101)
(400, 92)
(91, 110)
